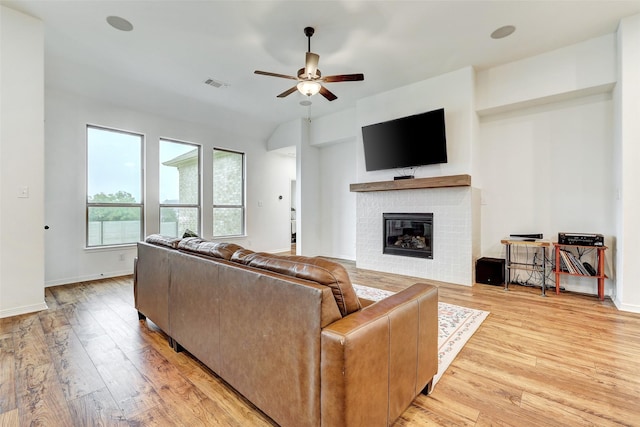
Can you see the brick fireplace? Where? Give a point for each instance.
(452, 208)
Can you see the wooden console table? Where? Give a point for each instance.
(540, 245)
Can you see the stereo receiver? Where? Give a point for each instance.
(583, 239)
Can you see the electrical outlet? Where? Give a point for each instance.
(121, 257)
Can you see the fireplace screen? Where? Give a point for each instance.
(408, 234)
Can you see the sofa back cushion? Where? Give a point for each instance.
(160, 240)
(319, 270)
(204, 247)
(242, 256)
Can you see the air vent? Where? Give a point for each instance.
(216, 83)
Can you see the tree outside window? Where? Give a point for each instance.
(114, 187)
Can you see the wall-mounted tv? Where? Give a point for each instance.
(406, 142)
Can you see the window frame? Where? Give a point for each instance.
(242, 207)
(198, 205)
(89, 205)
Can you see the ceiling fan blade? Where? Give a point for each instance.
(343, 78)
(327, 93)
(287, 92)
(266, 73)
(311, 65)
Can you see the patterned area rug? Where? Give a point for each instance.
(457, 325)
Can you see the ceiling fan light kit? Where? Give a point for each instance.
(310, 78)
(308, 88)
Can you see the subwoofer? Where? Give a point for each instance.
(490, 271)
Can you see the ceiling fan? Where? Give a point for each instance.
(309, 78)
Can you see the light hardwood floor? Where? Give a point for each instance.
(564, 360)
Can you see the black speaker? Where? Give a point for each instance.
(490, 271)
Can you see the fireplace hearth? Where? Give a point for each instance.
(408, 234)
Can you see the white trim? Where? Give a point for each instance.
(278, 251)
(88, 278)
(16, 311)
(632, 308)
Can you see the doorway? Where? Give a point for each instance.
(294, 217)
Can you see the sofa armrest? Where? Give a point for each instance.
(377, 360)
(151, 284)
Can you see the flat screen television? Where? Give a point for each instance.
(406, 142)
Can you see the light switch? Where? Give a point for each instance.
(23, 192)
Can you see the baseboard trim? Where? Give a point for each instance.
(345, 257)
(625, 307)
(278, 251)
(16, 311)
(88, 278)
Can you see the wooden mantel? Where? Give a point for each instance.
(409, 184)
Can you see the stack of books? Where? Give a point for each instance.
(571, 264)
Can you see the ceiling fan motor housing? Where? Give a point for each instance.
(308, 31)
(302, 74)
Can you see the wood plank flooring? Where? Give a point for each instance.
(567, 360)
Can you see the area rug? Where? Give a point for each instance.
(457, 325)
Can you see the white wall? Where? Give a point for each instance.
(334, 128)
(452, 91)
(546, 149)
(338, 204)
(21, 163)
(576, 70)
(335, 137)
(627, 172)
(548, 170)
(325, 155)
(285, 135)
(308, 186)
(268, 176)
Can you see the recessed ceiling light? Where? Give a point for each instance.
(305, 103)
(503, 32)
(119, 23)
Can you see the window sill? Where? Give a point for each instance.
(110, 248)
(238, 239)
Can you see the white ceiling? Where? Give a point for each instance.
(175, 46)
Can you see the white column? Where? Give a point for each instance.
(21, 163)
(627, 102)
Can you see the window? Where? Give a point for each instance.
(228, 193)
(114, 187)
(179, 188)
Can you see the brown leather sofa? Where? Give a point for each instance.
(289, 333)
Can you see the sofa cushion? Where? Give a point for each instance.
(242, 256)
(218, 250)
(204, 247)
(190, 243)
(319, 270)
(160, 240)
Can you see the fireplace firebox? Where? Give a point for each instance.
(408, 234)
